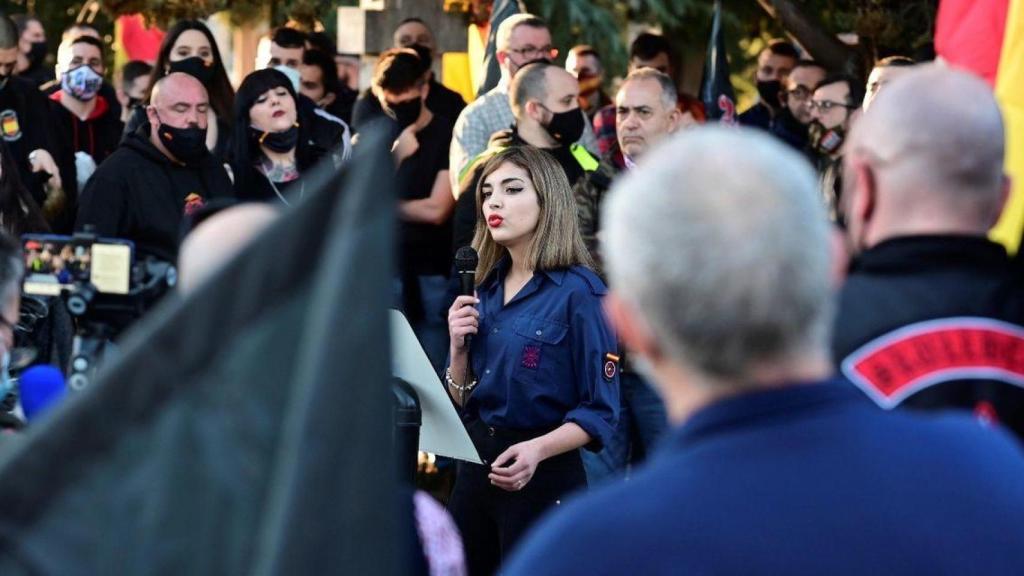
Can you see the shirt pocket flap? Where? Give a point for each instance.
(541, 330)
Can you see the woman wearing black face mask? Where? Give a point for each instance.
(425, 196)
(189, 47)
(273, 143)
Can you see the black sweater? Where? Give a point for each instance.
(141, 195)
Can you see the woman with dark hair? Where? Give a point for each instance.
(19, 213)
(538, 380)
(275, 142)
(190, 47)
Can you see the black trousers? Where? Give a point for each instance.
(492, 520)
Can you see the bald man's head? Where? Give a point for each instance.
(178, 100)
(926, 158)
(218, 239)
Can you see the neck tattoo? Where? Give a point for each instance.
(278, 171)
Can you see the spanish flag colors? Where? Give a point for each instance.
(987, 37)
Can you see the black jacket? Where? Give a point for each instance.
(26, 125)
(321, 138)
(935, 322)
(97, 136)
(141, 195)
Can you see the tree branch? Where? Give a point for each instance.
(824, 47)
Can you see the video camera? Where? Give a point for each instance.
(102, 285)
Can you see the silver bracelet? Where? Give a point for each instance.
(461, 388)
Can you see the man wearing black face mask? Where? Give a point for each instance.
(773, 66)
(161, 172)
(32, 49)
(425, 195)
(545, 103)
(134, 85)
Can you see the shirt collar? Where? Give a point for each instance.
(630, 164)
(501, 268)
(931, 251)
(759, 408)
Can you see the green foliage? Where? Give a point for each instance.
(57, 15)
(885, 27)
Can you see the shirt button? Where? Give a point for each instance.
(539, 332)
(488, 371)
(495, 330)
(490, 431)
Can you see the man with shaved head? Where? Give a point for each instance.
(544, 99)
(162, 171)
(932, 314)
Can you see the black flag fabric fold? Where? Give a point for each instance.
(492, 71)
(245, 429)
(715, 88)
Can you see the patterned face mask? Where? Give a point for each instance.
(82, 83)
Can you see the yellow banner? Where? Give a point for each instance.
(1010, 93)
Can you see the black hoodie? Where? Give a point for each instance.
(141, 195)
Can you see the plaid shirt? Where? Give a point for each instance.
(485, 116)
(604, 129)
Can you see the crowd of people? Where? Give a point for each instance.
(774, 288)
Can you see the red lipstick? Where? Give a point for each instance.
(494, 220)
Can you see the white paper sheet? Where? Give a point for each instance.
(442, 432)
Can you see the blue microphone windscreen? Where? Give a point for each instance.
(41, 387)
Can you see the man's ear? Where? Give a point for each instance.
(859, 201)
(533, 110)
(632, 331)
(865, 191)
(1004, 197)
(675, 119)
(501, 55)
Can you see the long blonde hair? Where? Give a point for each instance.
(556, 241)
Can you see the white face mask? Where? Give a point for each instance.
(292, 74)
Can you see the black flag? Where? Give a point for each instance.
(246, 429)
(715, 88)
(501, 10)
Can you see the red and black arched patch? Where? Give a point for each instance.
(894, 366)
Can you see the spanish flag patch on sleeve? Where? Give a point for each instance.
(611, 366)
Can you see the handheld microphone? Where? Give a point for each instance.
(466, 260)
(41, 388)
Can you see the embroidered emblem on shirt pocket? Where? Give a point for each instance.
(531, 356)
(536, 334)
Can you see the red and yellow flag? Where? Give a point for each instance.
(987, 37)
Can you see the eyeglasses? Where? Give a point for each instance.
(532, 53)
(799, 93)
(826, 105)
